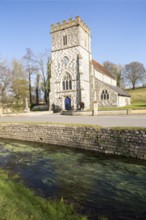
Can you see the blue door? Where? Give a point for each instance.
(67, 103)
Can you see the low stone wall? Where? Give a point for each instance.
(114, 112)
(123, 112)
(125, 142)
(27, 114)
(138, 111)
(77, 113)
(107, 112)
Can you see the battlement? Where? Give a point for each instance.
(70, 23)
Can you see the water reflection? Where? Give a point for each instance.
(104, 185)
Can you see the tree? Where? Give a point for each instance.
(134, 73)
(19, 88)
(5, 82)
(38, 64)
(49, 77)
(43, 62)
(30, 66)
(115, 70)
(37, 89)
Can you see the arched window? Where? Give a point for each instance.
(104, 95)
(67, 82)
(65, 60)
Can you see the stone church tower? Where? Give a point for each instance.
(70, 64)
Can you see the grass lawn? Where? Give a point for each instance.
(19, 203)
(138, 95)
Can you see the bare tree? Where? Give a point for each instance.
(49, 77)
(134, 73)
(38, 64)
(43, 60)
(115, 70)
(30, 65)
(37, 89)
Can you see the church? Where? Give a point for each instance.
(77, 80)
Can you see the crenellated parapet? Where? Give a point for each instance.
(70, 23)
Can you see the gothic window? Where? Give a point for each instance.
(65, 40)
(104, 95)
(67, 82)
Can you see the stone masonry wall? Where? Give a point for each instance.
(125, 142)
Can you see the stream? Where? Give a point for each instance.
(97, 184)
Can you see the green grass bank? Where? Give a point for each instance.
(138, 96)
(19, 203)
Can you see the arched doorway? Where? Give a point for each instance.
(67, 103)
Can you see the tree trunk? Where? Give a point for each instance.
(37, 90)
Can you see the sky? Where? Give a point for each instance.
(118, 28)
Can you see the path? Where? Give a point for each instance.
(104, 121)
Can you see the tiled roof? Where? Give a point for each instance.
(118, 90)
(102, 69)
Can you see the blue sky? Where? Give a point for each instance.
(118, 27)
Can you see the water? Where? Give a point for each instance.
(96, 184)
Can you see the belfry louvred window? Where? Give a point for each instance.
(65, 40)
(67, 82)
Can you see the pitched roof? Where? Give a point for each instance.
(102, 69)
(118, 90)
